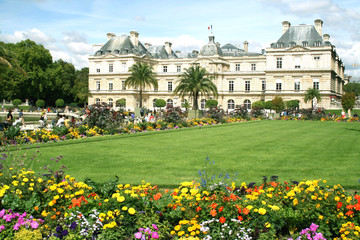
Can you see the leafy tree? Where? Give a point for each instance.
(278, 104)
(258, 105)
(195, 81)
(211, 103)
(40, 103)
(293, 104)
(59, 103)
(185, 105)
(348, 101)
(160, 103)
(81, 86)
(16, 102)
(141, 77)
(310, 94)
(268, 105)
(121, 103)
(352, 88)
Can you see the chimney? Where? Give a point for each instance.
(326, 37)
(168, 47)
(134, 38)
(318, 26)
(246, 46)
(110, 35)
(286, 26)
(147, 45)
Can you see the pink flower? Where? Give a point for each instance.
(154, 235)
(138, 235)
(34, 224)
(16, 226)
(2, 227)
(2, 213)
(155, 227)
(8, 217)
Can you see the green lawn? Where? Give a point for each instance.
(292, 150)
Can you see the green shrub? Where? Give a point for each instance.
(278, 104)
(211, 103)
(59, 103)
(40, 103)
(268, 105)
(160, 103)
(16, 102)
(292, 104)
(258, 105)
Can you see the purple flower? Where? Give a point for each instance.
(313, 227)
(138, 235)
(2, 213)
(2, 227)
(155, 235)
(7, 217)
(73, 225)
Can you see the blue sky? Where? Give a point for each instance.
(70, 28)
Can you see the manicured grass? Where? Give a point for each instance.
(292, 150)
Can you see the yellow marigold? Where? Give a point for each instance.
(131, 211)
(124, 208)
(120, 198)
(177, 227)
(321, 217)
(262, 211)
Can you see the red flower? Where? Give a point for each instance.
(349, 213)
(221, 209)
(222, 219)
(339, 204)
(240, 218)
(198, 209)
(213, 205)
(246, 211)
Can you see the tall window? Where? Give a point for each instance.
(278, 62)
(278, 84)
(169, 103)
(247, 86)
(98, 68)
(111, 67)
(123, 87)
(110, 101)
(97, 101)
(253, 67)
(237, 67)
(317, 60)
(247, 104)
(178, 68)
(123, 67)
(165, 68)
(111, 86)
(231, 86)
(263, 85)
(202, 104)
(316, 83)
(297, 84)
(231, 104)
(297, 62)
(169, 86)
(97, 85)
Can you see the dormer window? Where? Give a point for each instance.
(317, 44)
(292, 44)
(280, 45)
(305, 44)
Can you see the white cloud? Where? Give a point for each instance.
(139, 18)
(34, 34)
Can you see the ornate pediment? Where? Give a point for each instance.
(298, 48)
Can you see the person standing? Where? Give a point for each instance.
(9, 118)
(21, 117)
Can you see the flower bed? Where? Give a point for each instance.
(59, 207)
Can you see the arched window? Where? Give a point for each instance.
(154, 105)
(169, 103)
(231, 104)
(202, 104)
(110, 101)
(247, 104)
(97, 101)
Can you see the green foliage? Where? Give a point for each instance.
(348, 100)
(81, 85)
(310, 94)
(141, 77)
(268, 105)
(16, 102)
(195, 81)
(121, 102)
(278, 104)
(352, 88)
(211, 103)
(258, 105)
(40, 103)
(160, 103)
(102, 117)
(28, 234)
(293, 104)
(59, 103)
(185, 105)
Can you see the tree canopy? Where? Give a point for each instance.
(310, 94)
(194, 82)
(352, 88)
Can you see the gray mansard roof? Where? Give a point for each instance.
(298, 35)
(122, 45)
(160, 52)
(211, 48)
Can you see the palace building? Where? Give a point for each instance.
(300, 59)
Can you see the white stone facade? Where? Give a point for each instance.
(286, 71)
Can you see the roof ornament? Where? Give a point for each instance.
(210, 28)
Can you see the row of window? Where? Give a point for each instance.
(231, 85)
(304, 44)
(111, 67)
(178, 68)
(279, 62)
(170, 103)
